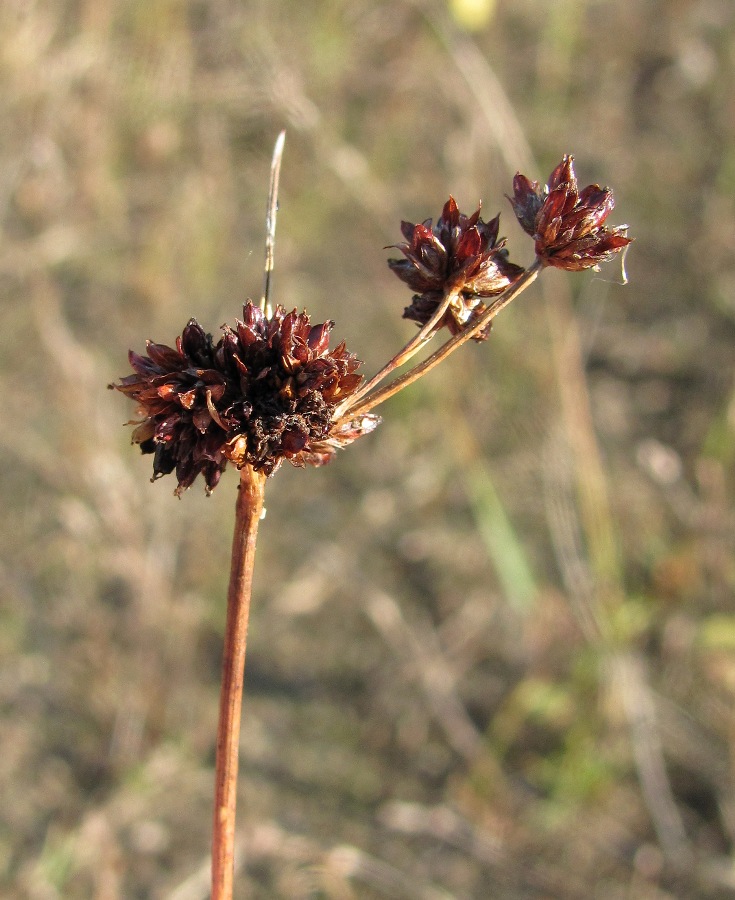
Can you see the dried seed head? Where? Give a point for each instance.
(565, 223)
(264, 393)
(460, 256)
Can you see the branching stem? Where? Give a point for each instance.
(365, 403)
(419, 340)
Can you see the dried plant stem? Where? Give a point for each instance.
(372, 400)
(270, 221)
(247, 516)
(419, 340)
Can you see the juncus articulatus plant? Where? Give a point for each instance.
(271, 388)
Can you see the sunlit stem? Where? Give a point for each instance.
(247, 516)
(419, 340)
(270, 221)
(366, 403)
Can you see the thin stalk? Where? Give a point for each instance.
(419, 340)
(247, 516)
(372, 400)
(270, 221)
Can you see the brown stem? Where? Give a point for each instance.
(365, 404)
(247, 516)
(417, 342)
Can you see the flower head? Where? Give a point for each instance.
(460, 256)
(567, 224)
(265, 392)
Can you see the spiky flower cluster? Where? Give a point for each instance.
(566, 223)
(460, 256)
(271, 389)
(460, 262)
(265, 392)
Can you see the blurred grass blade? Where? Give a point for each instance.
(502, 542)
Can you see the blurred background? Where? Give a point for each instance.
(492, 650)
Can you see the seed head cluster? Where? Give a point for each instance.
(265, 392)
(461, 256)
(566, 223)
(270, 389)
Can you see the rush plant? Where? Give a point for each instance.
(271, 389)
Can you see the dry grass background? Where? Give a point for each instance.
(493, 645)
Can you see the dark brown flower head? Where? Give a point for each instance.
(565, 223)
(264, 393)
(462, 256)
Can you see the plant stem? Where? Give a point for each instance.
(417, 342)
(365, 404)
(270, 221)
(247, 516)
